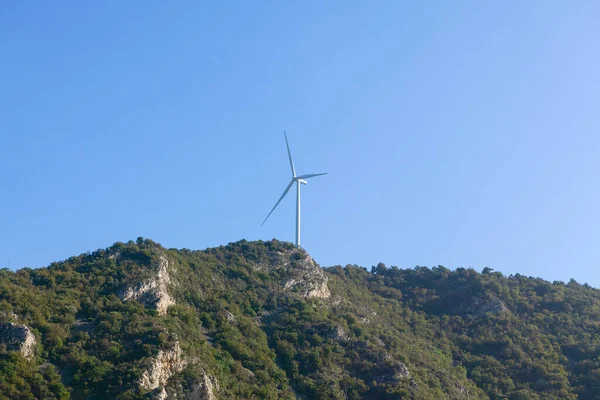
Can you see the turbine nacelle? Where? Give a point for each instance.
(302, 181)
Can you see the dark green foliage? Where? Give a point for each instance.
(386, 334)
(20, 379)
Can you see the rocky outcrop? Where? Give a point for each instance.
(391, 370)
(167, 363)
(205, 389)
(367, 315)
(18, 338)
(395, 373)
(399, 373)
(230, 317)
(153, 291)
(303, 275)
(310, 280)
(480, 307)
(338, 334)
(162, 367)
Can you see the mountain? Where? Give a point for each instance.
(261, 320)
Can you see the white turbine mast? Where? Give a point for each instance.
(298, 179)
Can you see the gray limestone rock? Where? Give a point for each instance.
(18, 338)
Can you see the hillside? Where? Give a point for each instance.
(261, 320)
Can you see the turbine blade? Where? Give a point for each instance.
(287, 189)
(289, 154)
(310, 175)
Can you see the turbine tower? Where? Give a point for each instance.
(298, 179)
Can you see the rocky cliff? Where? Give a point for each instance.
(154, 291)
(162, 367)
(18, 338)
(300, 273)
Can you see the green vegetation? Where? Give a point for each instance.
(241, 315)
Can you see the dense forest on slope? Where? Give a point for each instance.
(261, 320)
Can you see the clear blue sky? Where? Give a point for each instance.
(461, 133)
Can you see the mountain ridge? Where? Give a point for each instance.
(263, 320)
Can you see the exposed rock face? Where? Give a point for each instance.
(159, 394)
(205, 389)
(153, 291)
(305, 277)
(401, 371)
(230, 317)
(339, 334)
(162, 367)
(480, 307)
(392, 371)
(18, 338)
(368, 315)
(396, 372)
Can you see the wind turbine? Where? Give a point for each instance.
(298, 179)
